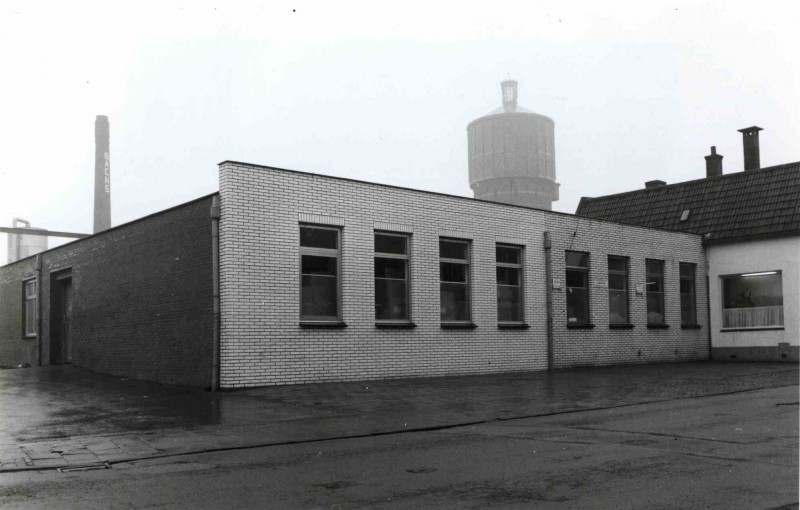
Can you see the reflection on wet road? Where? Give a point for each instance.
(63, 401)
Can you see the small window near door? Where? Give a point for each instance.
(29, 311)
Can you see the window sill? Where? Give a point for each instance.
(620, 326)
(323, 324)
(458, 325)
(512, 325)
(580, 326)
(395, 325)
(658, 326)
(29, 337)
(763, 328)
(691, 326)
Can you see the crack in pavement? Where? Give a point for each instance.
(661, 434)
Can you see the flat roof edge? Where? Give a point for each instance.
(123, 225)
(438, 193)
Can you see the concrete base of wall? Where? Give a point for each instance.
(784, 353)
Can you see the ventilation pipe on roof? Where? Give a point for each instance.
(752, 158)
(713, 163)
(654, 184)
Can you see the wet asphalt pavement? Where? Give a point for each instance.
(48, 403)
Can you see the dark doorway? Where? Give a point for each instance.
(60, 317)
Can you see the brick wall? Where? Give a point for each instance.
(142, 297)
(640, 344)
(15, 348)
(262, 342)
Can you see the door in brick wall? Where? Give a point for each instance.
(60, 318)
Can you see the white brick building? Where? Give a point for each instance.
(287, 277)
(267, 336)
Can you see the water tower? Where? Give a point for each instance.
(512, 155)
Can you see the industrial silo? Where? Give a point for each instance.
(25, 245)
(512, 154)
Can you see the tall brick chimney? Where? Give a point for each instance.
(102, 175)
(752, 158)
(713, 163)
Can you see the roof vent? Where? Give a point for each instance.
(685, 214)
(654, 184)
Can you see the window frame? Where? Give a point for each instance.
(587, 273)
(662, 294)
(34, 300)
(520, 285)
(693, 298)
(321, 252)
(722, 296)
(467, 262)
(626, 273)
(407, 258)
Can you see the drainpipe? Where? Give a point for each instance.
(215, 215)
(708, 314)
(548, 285)
(38, 266)
(708, 293)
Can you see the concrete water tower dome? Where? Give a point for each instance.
(512, 155)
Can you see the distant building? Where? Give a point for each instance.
(22, 245)
(512, 155)
(750, 223)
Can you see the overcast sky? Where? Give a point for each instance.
(637, 90)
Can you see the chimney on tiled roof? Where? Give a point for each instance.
(713, 163)
(654, 184)
(752, 158)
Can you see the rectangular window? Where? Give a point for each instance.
(654, 270)
(29, 320)
(509, 283)
(577, 288)
(688, 294)
(391, 277)
(752, 300)
(320, 251)
(454, 280)
(618, 290)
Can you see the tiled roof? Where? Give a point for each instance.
(757, 203)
